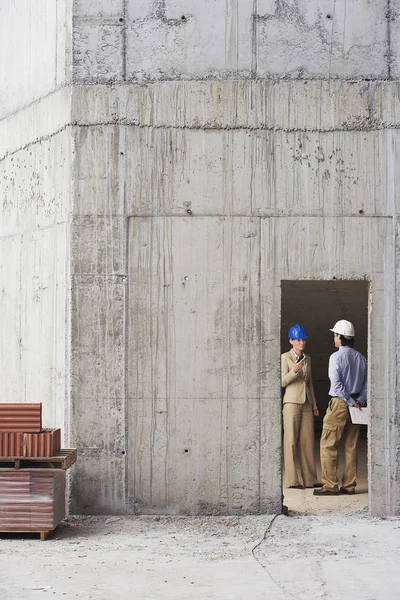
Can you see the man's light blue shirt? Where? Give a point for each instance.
(348, 375)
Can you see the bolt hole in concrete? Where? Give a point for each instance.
(317, 305)
(121, 20)
(183, 18)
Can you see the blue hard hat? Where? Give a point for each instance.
(297, 332)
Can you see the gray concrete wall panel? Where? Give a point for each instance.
(102, 9)
(201, 457)
(311, 105)
(202, 273)
(98, 360)
(37, 122)
(33, 315)
(269, 475)
(348, 248)
(185, 39)
(193, 287)
(393, 15)
(321, 38)
(99, 246)
(150, 309)
(35, 41)
(260, 173)
(392, 439)
(11, 325)
(98, 51)
(99, 187)
(35, 187)
(98, 334)
(98, 483)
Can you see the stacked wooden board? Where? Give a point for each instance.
(32, 471)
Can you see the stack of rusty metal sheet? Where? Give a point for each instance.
(21, 432)
(32, 471)
(31, 500)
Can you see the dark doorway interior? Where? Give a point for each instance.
(317, 305)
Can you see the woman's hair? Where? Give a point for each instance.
(347, 342)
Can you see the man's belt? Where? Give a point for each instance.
(354, 396)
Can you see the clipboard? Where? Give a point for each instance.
(359, 417)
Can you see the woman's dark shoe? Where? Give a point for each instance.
(348, 491)
(296, 487)
(315, 485)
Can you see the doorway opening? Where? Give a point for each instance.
(318, 305)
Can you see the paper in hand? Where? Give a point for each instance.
(359, 417)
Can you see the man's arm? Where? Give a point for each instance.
(362, 398)
(337, 387)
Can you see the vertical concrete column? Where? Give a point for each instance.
(99, 304)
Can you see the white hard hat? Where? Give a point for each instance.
(344, 328)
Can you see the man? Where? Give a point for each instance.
(348, 377)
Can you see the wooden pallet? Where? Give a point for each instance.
(44, 535)
(62, 460)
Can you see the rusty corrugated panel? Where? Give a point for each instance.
(45, 443)
(22, 417)
(31, 500)
(11, 443)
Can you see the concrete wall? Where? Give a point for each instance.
(35, 191)
(144, 40)
(211, 203)
(34, 276)
(35, 55)
(215, 149)
(196, 194)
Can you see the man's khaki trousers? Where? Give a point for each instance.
(298, 438)
(337, 426)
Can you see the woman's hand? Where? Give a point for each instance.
(316, 412)
(298, 366)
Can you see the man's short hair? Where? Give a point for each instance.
(347, 341)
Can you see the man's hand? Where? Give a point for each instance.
(316, 412)
(357, 405)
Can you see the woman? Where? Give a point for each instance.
(299, 405)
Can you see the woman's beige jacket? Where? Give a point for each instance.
(297, 388)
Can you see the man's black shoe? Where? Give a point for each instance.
(325, 492)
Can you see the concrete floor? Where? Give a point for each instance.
(326, 548)
(303, 502)
(347, 555)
